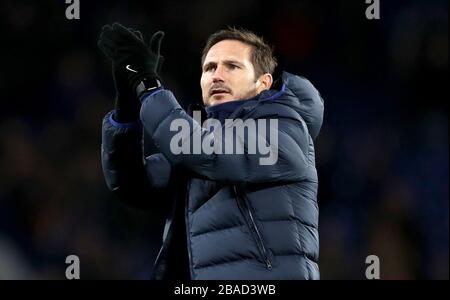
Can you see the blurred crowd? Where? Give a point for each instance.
(382, 155)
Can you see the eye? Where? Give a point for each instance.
(208, 68)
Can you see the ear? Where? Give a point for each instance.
(265, 82)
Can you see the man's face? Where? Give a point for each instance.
(228, 73)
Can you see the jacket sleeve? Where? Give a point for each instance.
(289, 162)
(137, 181)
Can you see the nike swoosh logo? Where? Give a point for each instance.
(128, 67)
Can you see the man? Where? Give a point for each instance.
(229, 216)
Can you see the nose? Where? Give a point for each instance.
(218, 74)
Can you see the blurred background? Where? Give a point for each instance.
(382, 154)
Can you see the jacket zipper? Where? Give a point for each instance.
(254, 229)
(186, 222)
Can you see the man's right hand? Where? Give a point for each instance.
(132, 61)
(130, 53)
(127, 105)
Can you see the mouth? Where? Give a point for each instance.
(220, 91)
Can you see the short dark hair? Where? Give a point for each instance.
(261, 56)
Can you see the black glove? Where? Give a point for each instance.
(130, 54)
(127, 104)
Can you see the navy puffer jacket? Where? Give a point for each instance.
(228, 216)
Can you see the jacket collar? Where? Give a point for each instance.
(231, 109)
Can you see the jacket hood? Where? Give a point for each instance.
(307, 101)
(292, 90)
